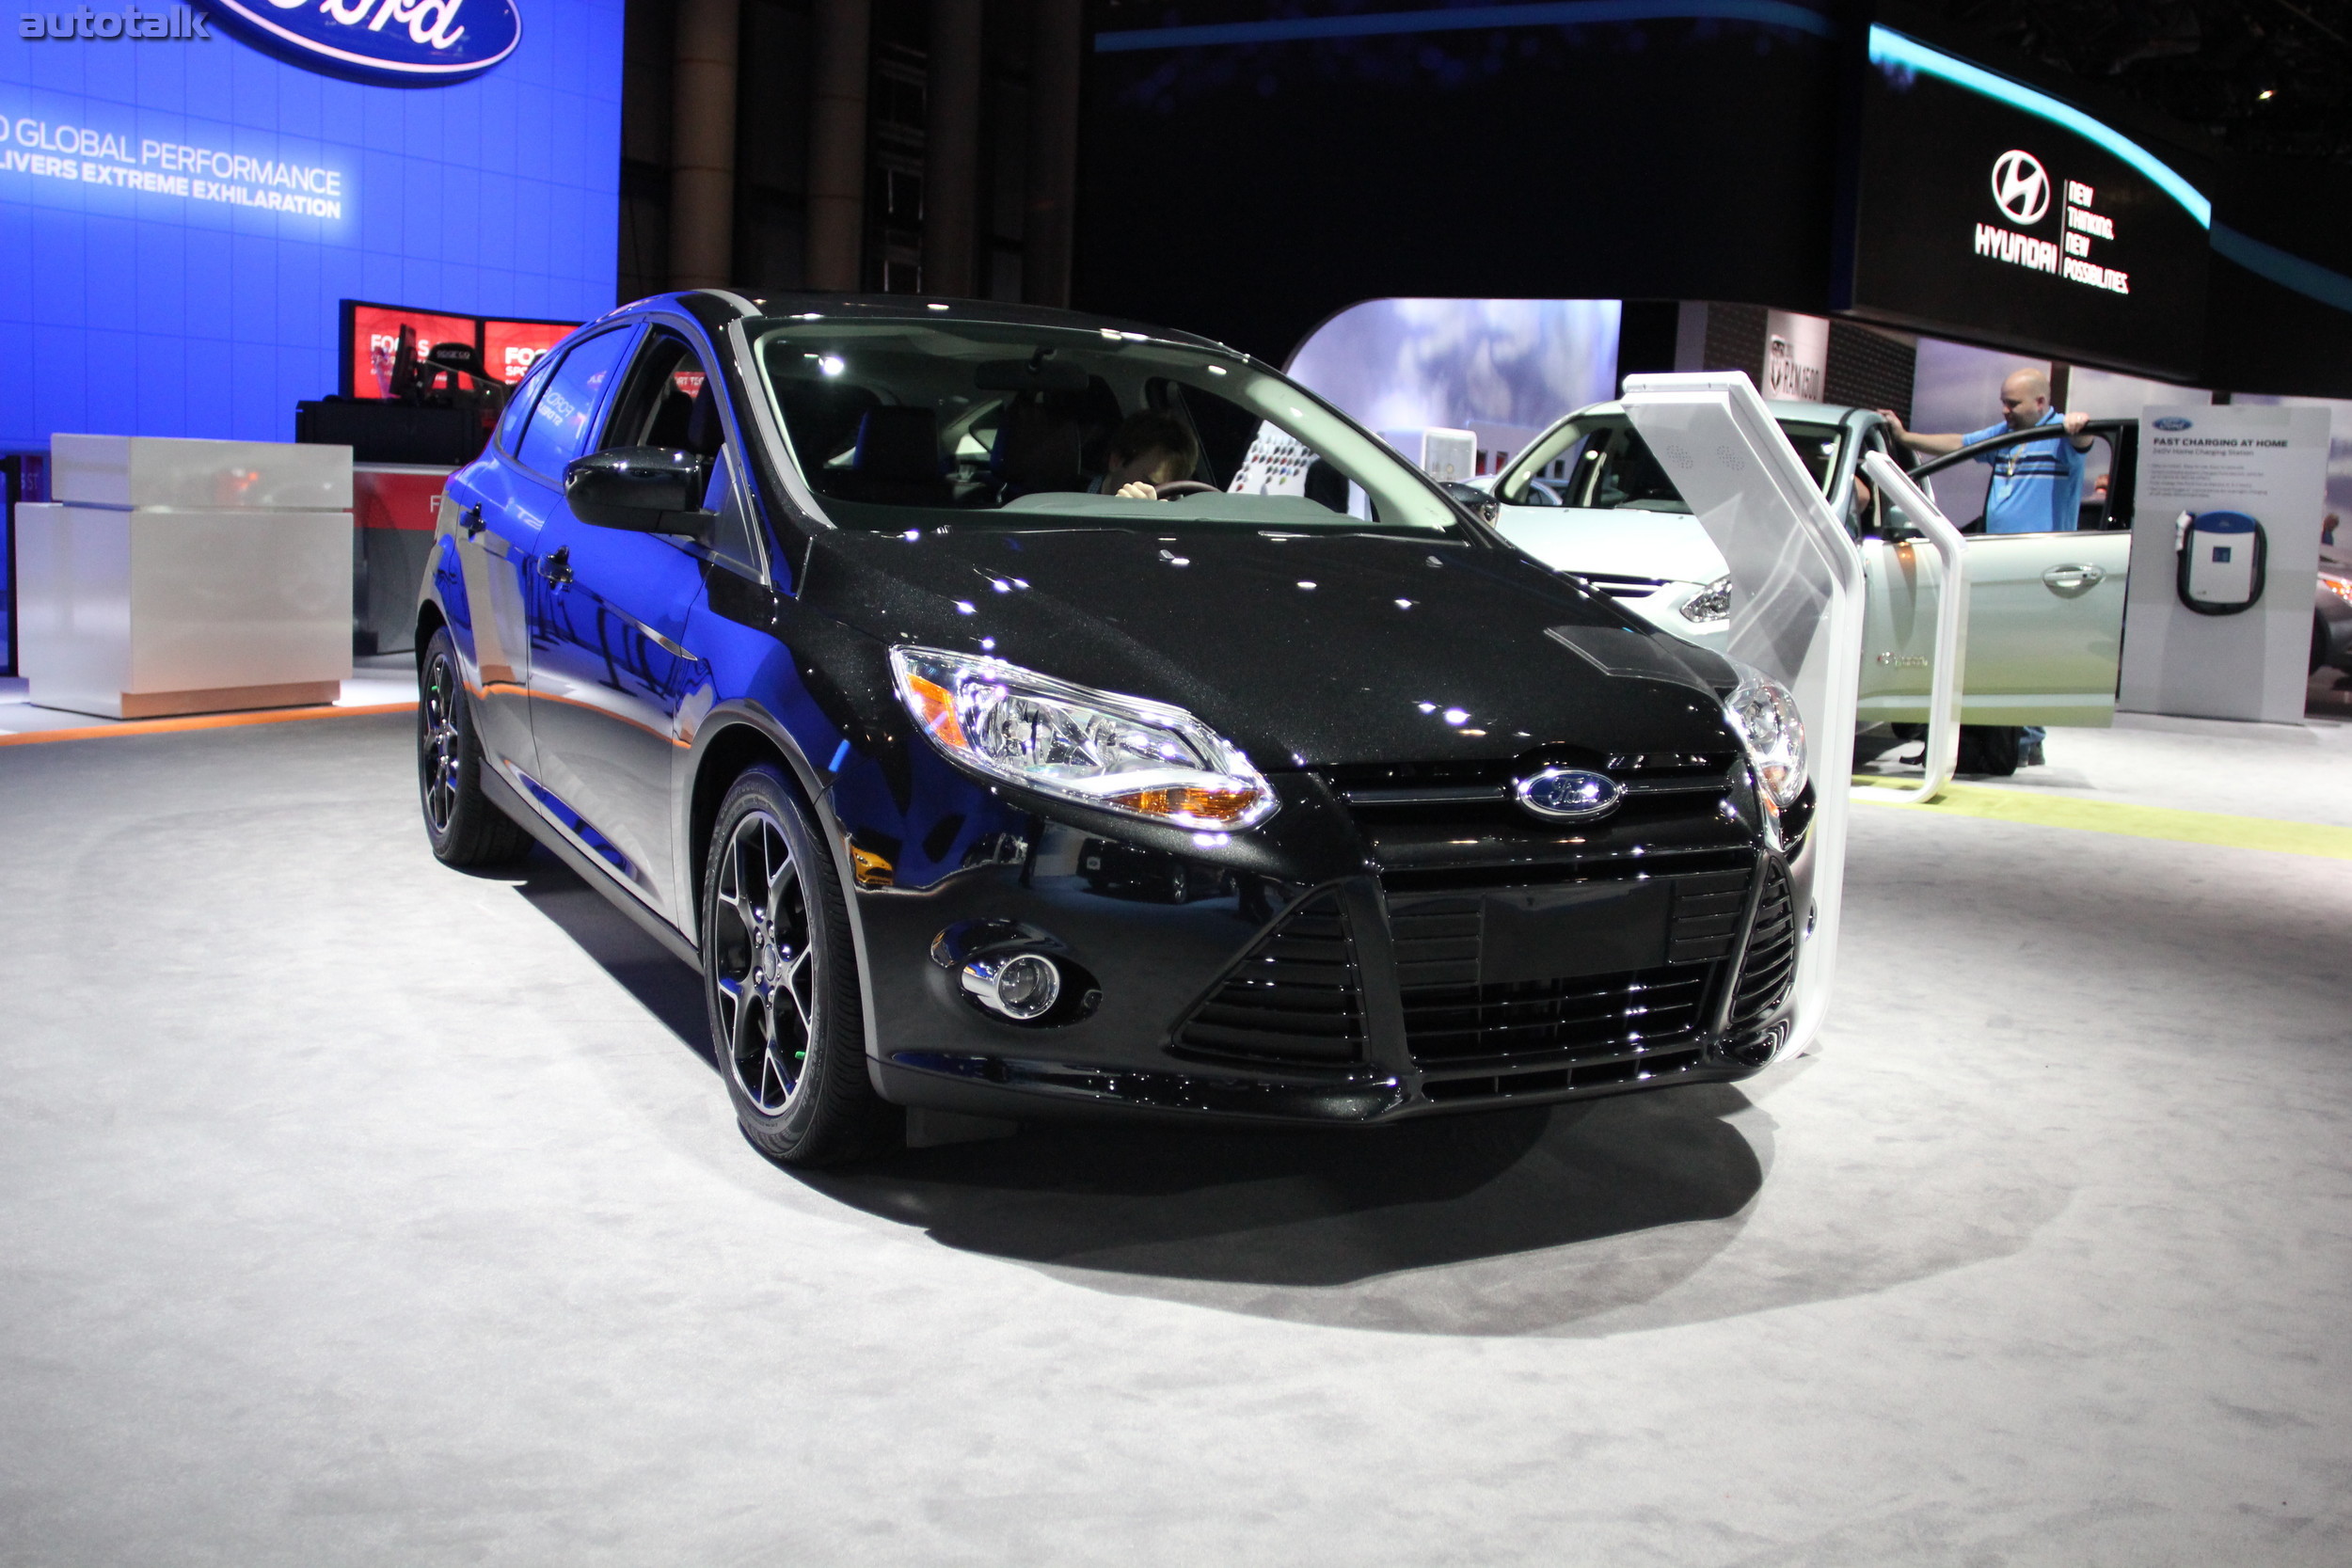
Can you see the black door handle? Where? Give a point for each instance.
(471, 521)
(557, 567)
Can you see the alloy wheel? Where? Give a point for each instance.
(766, 970)
(438, 742)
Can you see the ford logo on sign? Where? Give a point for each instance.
(1568, 794)
(393, 43)
(2172, 421)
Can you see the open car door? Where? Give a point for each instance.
(2046, 611)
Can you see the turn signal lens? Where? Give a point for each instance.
(935, 711)
(1189, 805)
(2340, 587)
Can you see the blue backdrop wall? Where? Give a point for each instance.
(178, 216)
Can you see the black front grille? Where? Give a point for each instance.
(1707, 907)
(1599, 1015)
(1293, 997)
(1770, 967)
(1435, 825)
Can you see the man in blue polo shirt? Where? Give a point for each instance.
(2037, 485)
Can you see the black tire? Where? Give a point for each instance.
(466, 829)
(2319, 643)
(780, 988)
(1988, 749)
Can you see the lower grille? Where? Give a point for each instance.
(1599, 1015)
(1293, 997)
(1583, 1075)
(1770, 967)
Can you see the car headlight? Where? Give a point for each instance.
(2340, 587)
(1711, 603)
(1765, 716)
(1123, 753)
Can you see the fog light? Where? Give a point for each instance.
(1021, 986)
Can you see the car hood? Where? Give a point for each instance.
(1665, 546)
(1305, 650)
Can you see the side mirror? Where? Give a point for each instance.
(1471, 499)
(644, 489)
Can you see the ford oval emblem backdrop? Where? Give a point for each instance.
(190, 195)
(419, 44)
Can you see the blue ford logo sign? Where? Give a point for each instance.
(1568, 794)
(395, 43)
(2172, 421)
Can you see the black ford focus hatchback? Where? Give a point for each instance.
(1012, 713)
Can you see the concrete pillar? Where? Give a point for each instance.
(1053, 151)
(702, 145)
(951, 150)
(841, 31)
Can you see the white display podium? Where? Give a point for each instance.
(174, 576)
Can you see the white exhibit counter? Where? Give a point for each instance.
(172, 576)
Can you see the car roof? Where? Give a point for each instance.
(1780, 409)
(715, 307)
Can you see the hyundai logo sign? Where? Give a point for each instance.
(394, 43)
(2021, 186)
(2172, 421)
(1568, 794)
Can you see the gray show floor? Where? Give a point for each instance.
(355, 1210)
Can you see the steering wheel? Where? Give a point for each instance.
(1177, 487)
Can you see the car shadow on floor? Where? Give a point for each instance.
(665, 987)
(1323, 1208)
(1516, 1220)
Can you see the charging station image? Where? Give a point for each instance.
(2222, 558)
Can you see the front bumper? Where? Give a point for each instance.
(1339, 978)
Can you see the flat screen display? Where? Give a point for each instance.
(1985, 209)
(371, 339)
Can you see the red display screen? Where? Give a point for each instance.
(376, 335)
(509, 348)
(372, 337)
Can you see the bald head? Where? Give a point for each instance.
(2025, 398)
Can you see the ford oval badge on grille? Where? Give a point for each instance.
(1568, 794)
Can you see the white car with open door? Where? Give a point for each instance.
(2046, 611)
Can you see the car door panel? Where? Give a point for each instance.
(2045, 618)
(2045, 626)
(611, 675)
(494, 533)
(615, 675)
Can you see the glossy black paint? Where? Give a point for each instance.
(624, 678)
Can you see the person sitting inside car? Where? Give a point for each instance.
(1150, 448)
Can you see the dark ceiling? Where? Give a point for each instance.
(2272, 77)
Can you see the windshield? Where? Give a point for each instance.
(892, 419)
(1601, 464)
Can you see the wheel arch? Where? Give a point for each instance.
(743, 736)
(429, 620)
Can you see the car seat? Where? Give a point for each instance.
(1037, 448)
(895, 461)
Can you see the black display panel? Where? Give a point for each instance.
(1987, 209)
(1250, 168)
